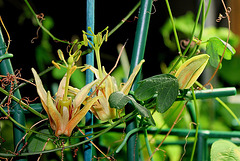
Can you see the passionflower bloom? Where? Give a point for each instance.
(101, 108)
(65, 112)
(190, 70)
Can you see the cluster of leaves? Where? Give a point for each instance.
(160, 90)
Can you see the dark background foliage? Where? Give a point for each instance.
(69, 20)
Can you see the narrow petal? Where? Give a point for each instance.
(40, 89)
(82, 94)
(110, 84)
(94, 70)
(98, 110)
(126, 88)
(78, 117)
(52, 123)
(61, 88)
(102, 113)
(55, 115)
(73, 91)
(65, 119)
(102, 105)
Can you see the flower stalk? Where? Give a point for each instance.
(65, 112)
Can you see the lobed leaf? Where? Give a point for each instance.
(119, 100)
(164, 85)
(223, 150)
(215, 48)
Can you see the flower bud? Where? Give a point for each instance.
(60, 54)
(190, 70)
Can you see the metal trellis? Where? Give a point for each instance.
(137, 56)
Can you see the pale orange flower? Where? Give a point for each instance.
(101, 108)
(64, 114)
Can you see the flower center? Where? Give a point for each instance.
(65, 103)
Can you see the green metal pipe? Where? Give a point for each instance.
(137, 56)
(213, 93)
(18, 115)
(90, 22)
(202, 147)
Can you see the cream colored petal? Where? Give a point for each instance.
(52, 123)
(104, 103)
(115, 86)
(126, 88)
(55, 115)
(61, 87)
(82, 95)
(65, 119)
(110, 84)
(40, 89)
(94, 70)
(73, 91)
(43, 96)
(101, 108)
(103, 112)
(92, 109)
(78, 117)
(98, 111)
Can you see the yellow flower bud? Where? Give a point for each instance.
(60, 54)
(190, 70)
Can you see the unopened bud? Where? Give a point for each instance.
(190, 70)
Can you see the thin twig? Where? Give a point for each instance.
(175, 122)
(26, 135)
(43, 149)
(94, 145)
(110, 70)
(7, 34)
(227, 11)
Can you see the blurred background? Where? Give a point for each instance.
(66, 20)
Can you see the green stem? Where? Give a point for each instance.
(74, 145)
(189, 44)
(222, 103)
(147, 143)
(228, 109)
(197, 123)
(209, 3)
(174, 28)
(201, 31)
(21, 103)
(124, 19)
(127, 136)
(99, 62)
(65, 96)
(18, 124)
(40, 24)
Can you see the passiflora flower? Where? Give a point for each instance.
(101, 108)
(190, 70)
(64, 114)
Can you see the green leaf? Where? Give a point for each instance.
(36, 142)
(164, 85)
(223, 150)
(215, 48)
(119, 100)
